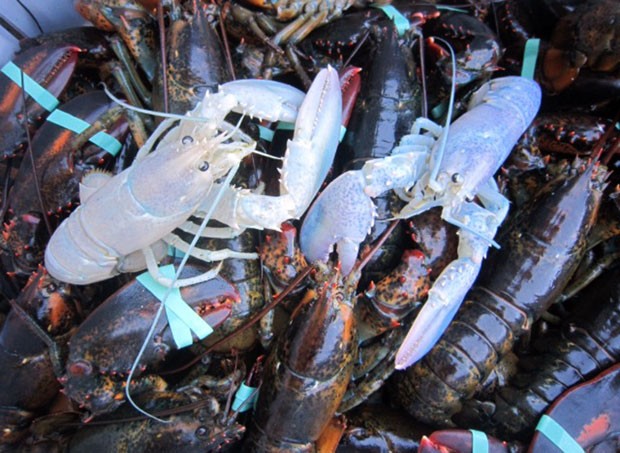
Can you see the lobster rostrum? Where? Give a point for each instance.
(475, 148)
(120, 218)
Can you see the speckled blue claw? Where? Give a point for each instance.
(341, 216)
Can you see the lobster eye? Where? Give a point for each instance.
(202, 431)
(204, 166)
(457, 178)
(187, 140)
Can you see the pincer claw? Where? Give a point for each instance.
(444, 299)
(341, 216)
(310, 153)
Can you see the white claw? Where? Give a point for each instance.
(266, 99)
(343, 216)
(309, 155)
(444, 299)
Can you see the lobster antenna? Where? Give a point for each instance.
(160, 310)
(446, 129)
(32, 16)
(162, 50)
(176, 116)
(417, 32)
(33, 163)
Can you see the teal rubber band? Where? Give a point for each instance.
(558, 435)
(400, 22)
(479, 442)
(451, 8)
(285, 126)
(68, 121)
(106, 142)
(78, 125)
(265, 133)
(530, 55)
(245, 398)
(49, 102)
(181, 334)
(43, 97)
(174, 252)
(439, 109)
(343, 131)
(182, 319)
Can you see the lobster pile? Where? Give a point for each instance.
(313, 226)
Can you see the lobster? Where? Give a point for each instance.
(582, 39)
(380, 428)
(579, 59)
(588, 413)
(61, 158)
(459, 440)
(195, 61)
(543, 248)
(589, 345)
(35, 63)
(188, 428)
(307, 373)
(123, 216)
(32, 337)
(389, 101)
(104, 346)
(428, 174)
(378, 311)
(304, 17)
(132, 22)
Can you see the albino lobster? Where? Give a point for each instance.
(122, 220)
(452, 172)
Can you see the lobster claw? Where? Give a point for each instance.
(341, 216)
(444, 300)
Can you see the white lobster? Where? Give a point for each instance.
(120, 225)
(426, 175)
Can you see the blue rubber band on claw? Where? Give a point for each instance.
(245, 398)
(265, 133)
(558, 435)
(42, 97)
(49, 102)
(78, 125)
(479, 442)
(181, 318)
(400, 21)
(530, 55)
(285, 126)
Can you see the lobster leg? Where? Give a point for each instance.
(207, 255)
